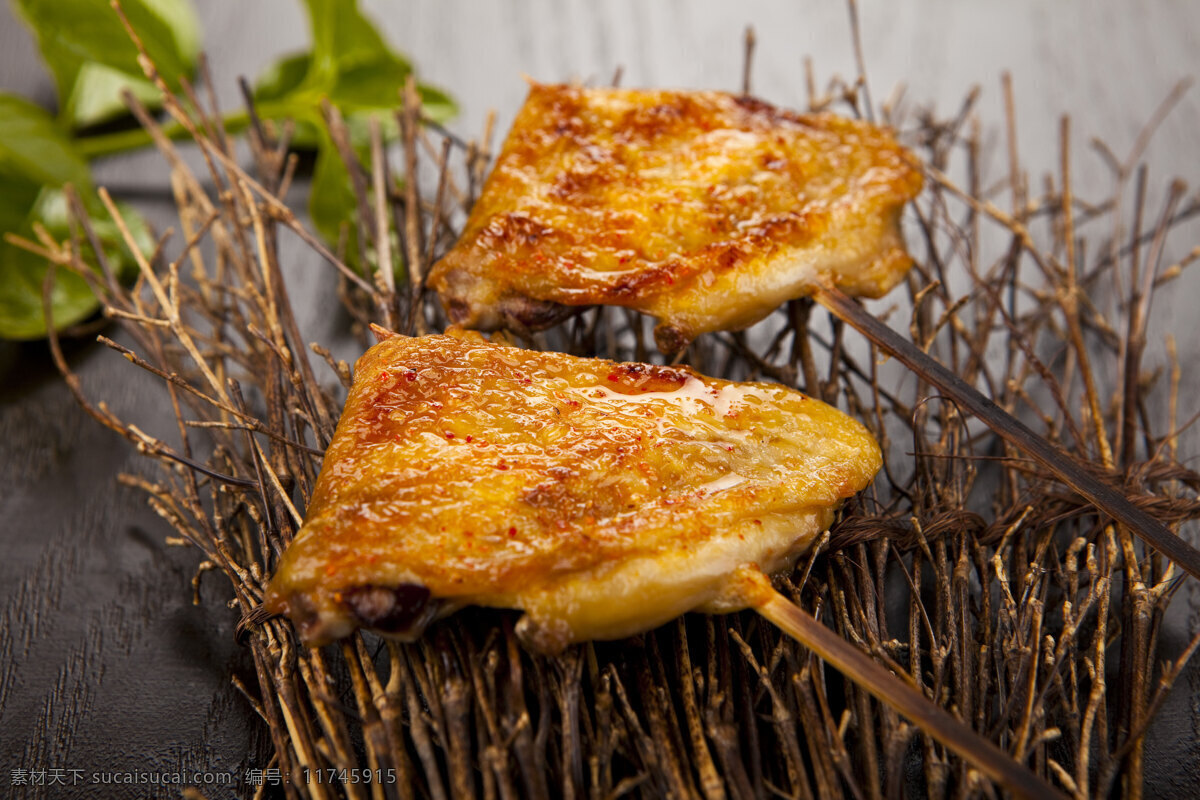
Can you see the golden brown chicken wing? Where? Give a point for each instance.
(704, 209)
(601, 498)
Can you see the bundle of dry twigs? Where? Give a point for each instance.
(1005, 597)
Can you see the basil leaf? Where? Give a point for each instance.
(22, 273)
(283, 77)
(52, 211)
(97, 94)
(343, 39)
(351, 65)
(34, 148)
(436, 104)
(277, 85)
(76, 34)
(21, 310)
(180, 17)
(36, 159)
(331, 200)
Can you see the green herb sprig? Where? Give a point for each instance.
(94, 62)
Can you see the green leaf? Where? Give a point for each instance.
(277, 84)
(344, 39)
(334, 208)
(98, 90)
(22, 273)
(437, 105)
(180, 18)
(73, 34)
(53, 212)
(36, 160)
(352, 66)
(21, 313)
(35, 149)
(283, 77)
(331, 201)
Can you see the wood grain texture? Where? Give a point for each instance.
(104, 662)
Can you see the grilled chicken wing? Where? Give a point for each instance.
(601, 498)
(704, 209)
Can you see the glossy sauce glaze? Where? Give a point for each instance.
(472, 472)
(702, 208)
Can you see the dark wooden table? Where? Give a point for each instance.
(106, 665)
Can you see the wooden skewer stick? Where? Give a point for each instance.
(859, 667)
(1050, 456)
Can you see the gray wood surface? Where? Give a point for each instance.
(105, 664)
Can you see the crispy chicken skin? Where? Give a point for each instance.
(603, 499)
(703, 209)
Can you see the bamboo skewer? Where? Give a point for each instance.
(1050, 456)
(860, 668)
